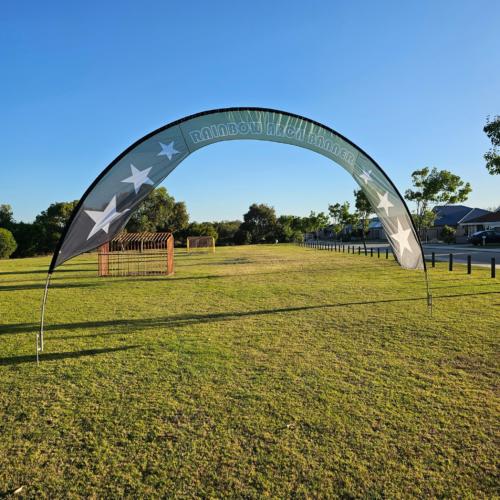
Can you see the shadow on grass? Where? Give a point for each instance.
(41, 286)
(44, 271)
(17, 360)
(186, 319)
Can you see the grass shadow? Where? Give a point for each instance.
(41, 286)
(17, 360)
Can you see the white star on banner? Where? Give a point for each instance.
(103, 219)
(168, 150)
(139, 177)
(402, 238)
(366, 176)
(384, 202)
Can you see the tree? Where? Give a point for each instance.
(304, 225)
(7, 243)
(340, 217)
(364, 209)
(242, 237)
(53, 220)
(432, 187)
(178, 220)
(448, 234)
(30, 238)
(318, 222)
(226, 230)
(159, 212)
(492, 130)
(259, 221)
(6, 217)
(203, 229)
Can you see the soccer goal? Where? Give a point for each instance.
(200, 243)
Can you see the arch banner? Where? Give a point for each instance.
(108, 204)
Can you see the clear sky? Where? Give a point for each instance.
(411, 83)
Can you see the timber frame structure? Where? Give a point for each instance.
(137, 254)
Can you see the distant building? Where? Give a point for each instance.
(491, 220)
(454, 216)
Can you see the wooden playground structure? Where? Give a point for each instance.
(137, 254)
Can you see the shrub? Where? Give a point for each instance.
(448, 234)
(7, 243)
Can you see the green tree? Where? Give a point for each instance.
(29, 237)
(318, 222)
(492, 130)
(448, 234)
(226, 230)
(364, 209)
(242, 237)
(53, 220)
(7, 243)
(340, 217)
(159, 212)
(259, 221)
(303, 224)
(284, 231)
(433, 187)
(203, 229)
(178, 220)
(6, 217)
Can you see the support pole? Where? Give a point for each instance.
(429, 296)
(39, 335)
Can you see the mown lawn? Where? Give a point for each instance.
(255, 372)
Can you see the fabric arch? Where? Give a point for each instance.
(110, 201)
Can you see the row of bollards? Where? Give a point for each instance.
(340, 247)
(469, 264)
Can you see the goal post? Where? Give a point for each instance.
(200, 243)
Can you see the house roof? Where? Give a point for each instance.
(474, 213)
(451, 215)
(483, 219)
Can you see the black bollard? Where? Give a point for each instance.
(359, 250)
(433, 259)
(378, 253)
(451, 262)
(469, 267)
(386, 253)
(371, 252)
(493, 267)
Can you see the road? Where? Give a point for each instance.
(480, 256)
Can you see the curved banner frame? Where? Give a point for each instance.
(110, 201)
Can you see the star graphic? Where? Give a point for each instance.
(103, 219)
(139, 177)
(168, 150)
(402, 238)
(384, 202)
(366, 176)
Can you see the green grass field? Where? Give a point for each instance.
(255, 372)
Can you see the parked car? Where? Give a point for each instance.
(491, 237)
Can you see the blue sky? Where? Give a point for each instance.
(411, 83)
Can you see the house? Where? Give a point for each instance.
(454, 216)
(491, 220)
